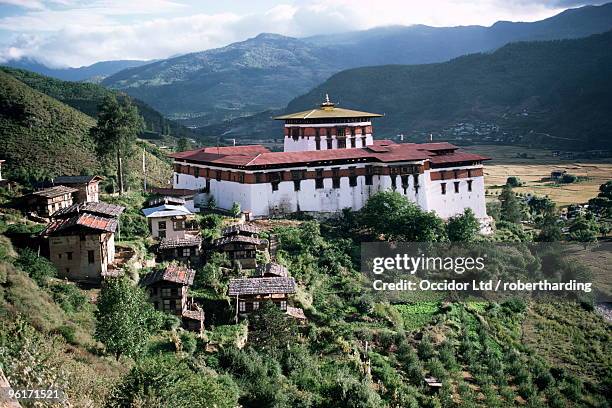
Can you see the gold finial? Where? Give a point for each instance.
(327, 104)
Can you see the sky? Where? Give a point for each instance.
(62, 33)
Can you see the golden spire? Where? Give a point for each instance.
(327, 105)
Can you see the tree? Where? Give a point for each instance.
(602, 204)
(272, 330)
(235, 210)
(38, 268)
(550, 230)
(541, 205)
(391, 215)
(568, 178)
(464, 227)
(584, 229)
(115, 133)
(510, 206)
(182, 144)
(514, 181)
(125, 318)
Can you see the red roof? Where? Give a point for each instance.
(384, 151)
(248, 150)
(83, 220)
(172, 273)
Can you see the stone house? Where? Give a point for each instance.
(82, 246)
(241, 243)
(168, 292)
(187, 250)
(46, 202)
(88, 187)
(247, 294)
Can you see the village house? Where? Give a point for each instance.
(88, 187)
(82, 246)
(170, 221)
(247, 294)
(46, 202)
(241, 242)
(188, 250)
(168, 291)
(557, 175)
(331, 162)
(181, 193)
(95, 208)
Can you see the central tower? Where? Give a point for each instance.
(327, 128)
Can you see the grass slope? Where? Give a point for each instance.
(87, 96)
(41, 135)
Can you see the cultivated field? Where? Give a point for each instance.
(535, 170)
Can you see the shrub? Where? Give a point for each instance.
(40, 269)
(68, 333)
(189, 342)
(69, 297)
(514, 181)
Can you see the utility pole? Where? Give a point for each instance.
(144, 168)
(120, 172)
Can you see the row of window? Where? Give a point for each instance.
(90, 256)
(341, 143)
(164, 292)
(242, 305)
(297, 132)
(352, 182)
(168, 305)
(456, 185)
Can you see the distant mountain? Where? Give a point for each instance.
(87, 96)
(267, 71)
(91, 73)
(552, 93)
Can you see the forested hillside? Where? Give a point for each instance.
(87, 96)
(559, 88)
(41, 135)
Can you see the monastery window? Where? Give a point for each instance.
(317, 133)
(352, 131)
(275, 185)
(196, 172)
(363, 130)
(353, 142)
(363, 142)
(340, 132)
(177, 178)
(368, 179)
(218, 175)
(296, 185)
(353, 181)
(318, 144)
(295, 133)
(319, 183)
(69, 255)
(207, 186)
(404, 182)
(240, 177)
(443, 186)
(456, 186)
(416, 180)
(90, 256)
(341, 143)
(336, 182)
(260, 177)
(393, 183)
(242, 306)
(469, 185)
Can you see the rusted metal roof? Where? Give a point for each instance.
(83, 220)
(188, 241)
(261, 286)
(99, 208)
(172, 273)
(240, 228)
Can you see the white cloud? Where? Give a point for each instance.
(81, 34)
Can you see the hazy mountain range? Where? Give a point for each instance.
(91, 73)
(267, 71)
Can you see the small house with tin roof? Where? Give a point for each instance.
(170, 221)
(82, 246)
(50, 200)
(88, 187)
(168, 288)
